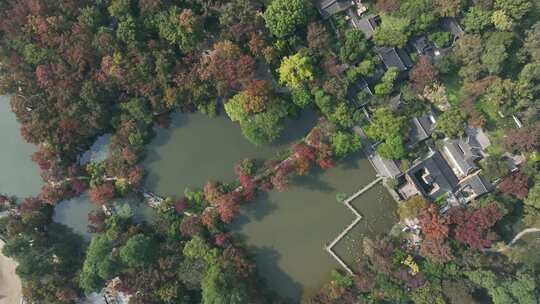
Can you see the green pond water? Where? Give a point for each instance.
(20, 176)
(286, 232)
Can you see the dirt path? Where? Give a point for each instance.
(10, 284)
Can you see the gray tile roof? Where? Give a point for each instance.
(472, 187)
(461, 156)
(328, 8)
(421, 128)
(367, 24)
(432, 176)
(421, 45)
(385, 167)
(394, 57)
(477, 138)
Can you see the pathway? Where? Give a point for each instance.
(357, 219)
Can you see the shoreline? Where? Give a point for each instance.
(10, 284)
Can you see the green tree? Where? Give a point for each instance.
(387, 82)
(514, 8)
(452, 122)
(127, 30)
(494, 167)
(394, 31)
(532, 42)
(392, 148)
(180, 27)
(422, 13)
(355, 46)
(234, 108)
(283, 17)
(501, 21)
(301, 97)
(495, 51)
(99, 264)
(384, 124)
(295, 70)
(219, 286)
(345, 143)
(120, 8)
(262, 128)
(412, 207)
(477, 19)
(533, 198)
(137, 251)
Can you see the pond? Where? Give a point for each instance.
(74, 212)
(20, 176)
(285, 231)
(197, 148)
(288, 231)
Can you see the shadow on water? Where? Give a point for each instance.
(257, 210)
(313, 181)
(268, 259)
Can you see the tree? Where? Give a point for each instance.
(384, 124)
(524, 139)
(501, 21)
(138, 250)
(477, 19)
(533, 197)
(436, 251)
(257, 95)
(514, 8)
(423, 74)
(388, 6)
(516, 184)
(345, 143)
(434, 226)
(387, 82)
(495, 51)
(295, 70)
(393, 147)
(532, 42)
(411, 208)
(448, 8)
(180, 27)
(263, 128)
(220, 286)
(354, 48)
(421, 12)
(99, 264)
(394, 31)
(102, 194)
(318, 38)
(520, 288)
(473, 226)
(452, 123)
(283, 17)
(494, 167)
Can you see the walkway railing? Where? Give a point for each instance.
(357, 219)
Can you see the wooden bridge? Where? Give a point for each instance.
(357, 219)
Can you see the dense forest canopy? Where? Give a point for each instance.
(77, 69)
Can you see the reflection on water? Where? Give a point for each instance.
(74, 212)
(288, 231)
(378, 210)
(197, 148)
(19, 176)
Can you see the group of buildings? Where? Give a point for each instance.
(449, 172)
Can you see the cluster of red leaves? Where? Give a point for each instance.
(516, 184)
(434, 226)
(423, 74)
(191, 226)
(473, 227)
(102, 193)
